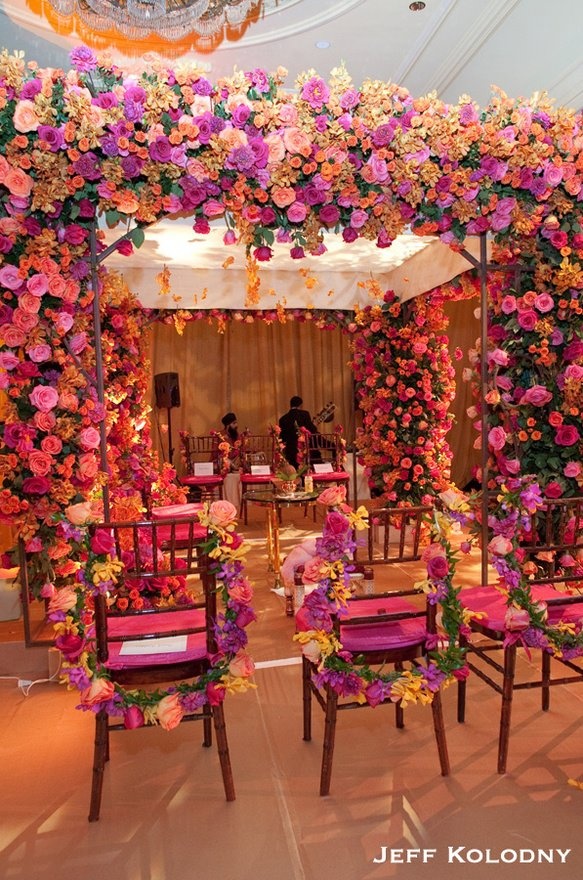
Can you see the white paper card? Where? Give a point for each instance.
(260, 470)
(324, 468)
(203, 469)
(165, 645)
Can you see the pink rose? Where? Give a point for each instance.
(100, 691)
(437, 567)
(102, 542)
(332, 496)
(313, 571)
(215, 694)
(89, 438)
(297, 212)
(71, 646)
(335, 524)
(500, 546)
(169, 712)
(566, 435)
(516, 619)
(37, 284)
(527, 320)
(497, 438)
(44, 421)
(44, 397)
(572, 469)
(241, 666)
(536, 396)
(222, 513)
(544, 303)
(553, 490)
(39, 353)
(133, 718)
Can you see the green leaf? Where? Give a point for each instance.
(137, 236)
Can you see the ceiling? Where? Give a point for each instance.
(453, 47)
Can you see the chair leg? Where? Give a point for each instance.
(329, 737)
(399, 716)
(223, 750)
(307, 698)
(507, 693)
(546, 677)
(207, 739)
(462, 688)
(439, 728)
(100, 756)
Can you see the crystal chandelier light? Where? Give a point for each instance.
(168, 19)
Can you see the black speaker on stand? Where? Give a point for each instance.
(167, 390)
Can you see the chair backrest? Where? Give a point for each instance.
(395, 535)
(323, 449)
(257, 449)
(553, 538)
(198, 449)
(159, 557)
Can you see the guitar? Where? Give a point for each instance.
(326, 414)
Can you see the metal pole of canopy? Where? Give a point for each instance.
(99, 364)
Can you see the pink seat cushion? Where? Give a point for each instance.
(493, 605)
(385, 635)
(331, 477)
(208, 480)
(255, 478)
(175, 511)
(182, 533)
(134, 625)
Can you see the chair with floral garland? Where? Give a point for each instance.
(551, 546)
(156, 626)
(390, 628)
(204, 476)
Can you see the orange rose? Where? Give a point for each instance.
(80, 513)
(100, 690)
(297, 141)
(241, 591)
(169, 712)
(63, 600)
(500, 546)
(283, 196)
(18, 183)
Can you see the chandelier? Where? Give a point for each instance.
(208, 21)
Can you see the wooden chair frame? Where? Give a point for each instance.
(200, 449)
(169, 535)
(255, 446)
(397, 657)
(547, 534)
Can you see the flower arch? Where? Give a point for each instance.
(363, 161)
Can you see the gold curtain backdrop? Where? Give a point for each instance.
(253, 369)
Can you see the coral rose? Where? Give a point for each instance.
(500, 546)
(222, 513)
(44, 397)
(79, 514)
(100, 690)
(169, 712)
(241, 666)
(313, 570)
(332, 496)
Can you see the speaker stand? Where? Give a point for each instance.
(170, 447)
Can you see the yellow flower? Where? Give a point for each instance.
(410, 688)
(358, 518)
(235, 684)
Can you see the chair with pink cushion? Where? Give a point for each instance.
(324, 450)
(182, 533)
(166, 590)
(203, 478)
(259, 453)
(553, 536)
(386, 629)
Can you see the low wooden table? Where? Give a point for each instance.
(273, 502)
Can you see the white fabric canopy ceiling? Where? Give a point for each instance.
(206, 274)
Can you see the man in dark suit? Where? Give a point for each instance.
(289, 424)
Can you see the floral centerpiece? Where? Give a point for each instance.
(71, 610)
(286, 478)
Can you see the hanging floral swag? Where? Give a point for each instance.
(71, 610)
(330, 570)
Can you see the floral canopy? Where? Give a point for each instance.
(368, 161)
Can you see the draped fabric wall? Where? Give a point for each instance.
(253, 370)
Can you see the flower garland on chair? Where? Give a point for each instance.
(71, 610)
(330, 571)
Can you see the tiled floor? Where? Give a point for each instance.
(164, 816)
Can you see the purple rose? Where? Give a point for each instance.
(160, 149)
(437, 567)
(566, 435)
(51, 136)
(83, 59)
(263, 254)
(329, 215)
